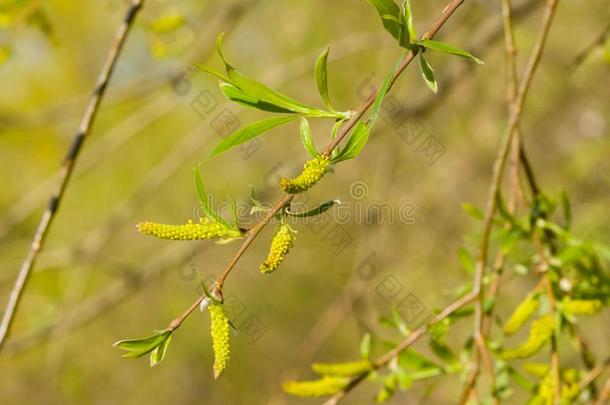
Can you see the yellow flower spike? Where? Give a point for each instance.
(341, 369)
(541, 331)
(205, 229)
(219, 330)
(313, 171)
(521, 315)
(317, 388)
(581, 307)
(280, 246)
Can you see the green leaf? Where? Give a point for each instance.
(246, 133)
(233, 210)
(473, 211)
(158, 353)
(399, 323)
(567, 210)
(356, 143)
(446, 48)
(365, 346)
(256, 90)
(202, 195)
(240, 97)
(382, 91)
(212, 72)
(443, 352)
(408, 23)
(413, 360)
(325, 206)
(333, 134)
(466, 259)
(141, 346)
(390, 16)
(305, 131)
(404, 379)
(427, 73)
(322, 78)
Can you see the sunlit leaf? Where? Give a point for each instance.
(355, 144)
(306, 139)
(390, 16)
(158, 353)
(322, 78)
(248, 132)
(427, 73)
(446, 48)
(365, 346)
(204, 202)
(325, 206)
(240, 97)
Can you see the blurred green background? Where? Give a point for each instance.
(98, 280)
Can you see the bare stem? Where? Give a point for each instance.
(67, 169)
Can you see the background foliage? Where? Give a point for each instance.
(149, 135)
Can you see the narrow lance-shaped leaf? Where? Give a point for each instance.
(259, 91)
(446, 48)
(305, 131)
(246, 133)
(383, 90)
(390, 16)
(240, 97)
(408, 23)
(322, 78)
(427, 73)
(202, 195)
(365, 346)
(319, 209)
(356, 143)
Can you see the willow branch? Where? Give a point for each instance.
(498, 171)
(403, 345)
(67, 169)
(287, 198)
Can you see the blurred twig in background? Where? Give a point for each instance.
(68, 168)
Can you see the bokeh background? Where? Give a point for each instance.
(98, 280)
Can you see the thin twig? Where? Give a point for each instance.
(67, 168)
(605, 394)
(407, 342)
(498, 171)
(345, 129)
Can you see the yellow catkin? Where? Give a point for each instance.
(313, 171)
(341, 369)
(521, 315)
(205, 229)
(536, 369)
(219, 330)
(539, 334)
(570, 387)
(545, 393)
(280, 246)
(581, 307)
(327, 385)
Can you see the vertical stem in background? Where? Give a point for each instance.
(67, 169)
(480, 349)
